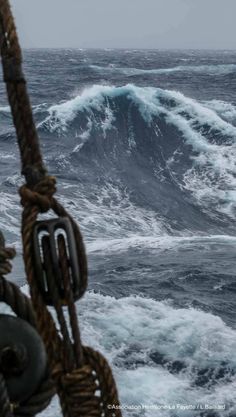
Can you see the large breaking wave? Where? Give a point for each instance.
(149, 174)
(169, 151)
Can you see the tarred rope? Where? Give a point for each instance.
(21, 305)
(82, 376)
(32, 164)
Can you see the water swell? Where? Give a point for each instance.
(174, 143)
(211, 70)
(184, 355)
(149, 175)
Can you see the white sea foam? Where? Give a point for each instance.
(218, 69)
(212, 178)
(36, 108)
(7, 155)
(130, 330)
(10, 214)
(95, 99)
(146, 98)
(110, 221)
(5, 109)
(109, 213)
(163, 242)
(224, 109)
(198, 113)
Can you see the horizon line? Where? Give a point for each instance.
(127, 48)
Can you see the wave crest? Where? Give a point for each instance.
(166, 135)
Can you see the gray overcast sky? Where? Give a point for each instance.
(126, 23)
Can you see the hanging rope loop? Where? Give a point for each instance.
(21, 306)
(82, 376)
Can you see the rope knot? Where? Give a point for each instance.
(41, 195)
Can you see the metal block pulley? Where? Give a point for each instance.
(47, 237)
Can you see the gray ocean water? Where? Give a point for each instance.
(143, 144)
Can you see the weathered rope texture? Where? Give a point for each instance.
(82, 377)
(32, 165)
(21, 305)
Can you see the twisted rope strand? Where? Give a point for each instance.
(17, 94)
(21, 305)
(85, 384)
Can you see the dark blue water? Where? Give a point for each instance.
(143, 147)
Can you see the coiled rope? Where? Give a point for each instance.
(21, 305)
(82, 377)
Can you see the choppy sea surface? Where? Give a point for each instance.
(143, 144)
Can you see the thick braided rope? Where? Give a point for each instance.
(5, 255)
(91, 389)
(8, 24)
(36, 198)
(77, 389)
(5, 267)
(107, 383)
(80, 388)
(17, 94)
(34, 201)
(26, 132)
(21, 305)
(10, 293)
